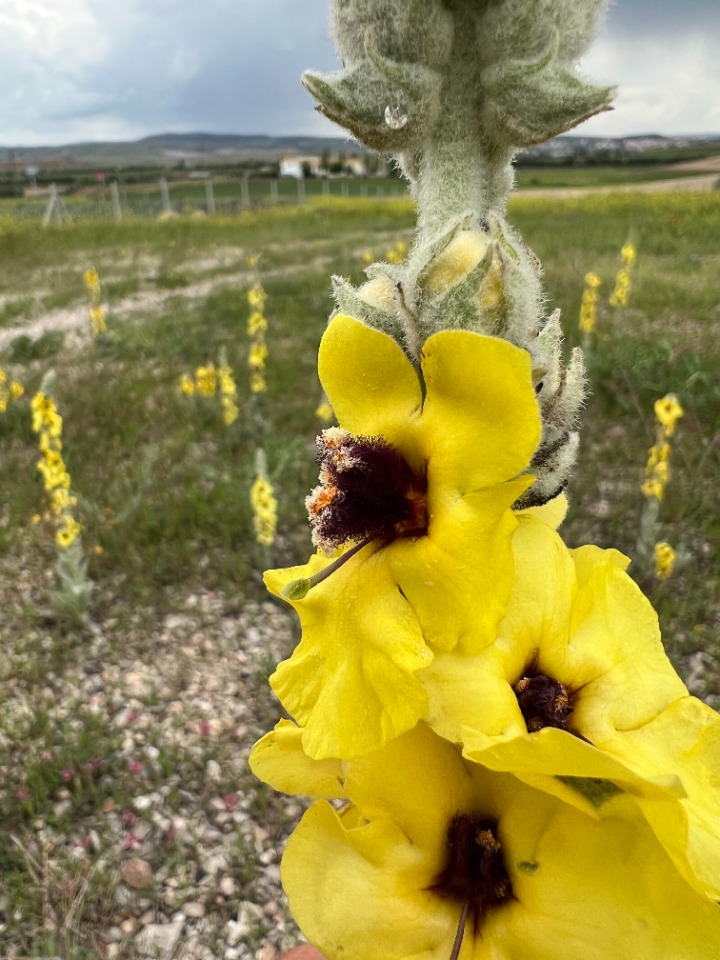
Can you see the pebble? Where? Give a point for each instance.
(227, 887)
(194, 909)
(136, 873)
(158, 940)
(213, 771)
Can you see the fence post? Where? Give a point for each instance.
(115, 200)
(344, 189)
(55, 209)
(273, 191)
(165, 194)
(245, 191)
(210, 195)
(301, 189)
(326, 187)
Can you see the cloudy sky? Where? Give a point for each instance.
(121, 69)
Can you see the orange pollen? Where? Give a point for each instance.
(323, 499)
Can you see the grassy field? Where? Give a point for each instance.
(150, 698)
(188, 195)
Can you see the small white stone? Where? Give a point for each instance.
(227, 887)
(194, 909)
(159, 939)
(235, 930)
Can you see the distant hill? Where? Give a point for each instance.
(195, 149)
(214, 149)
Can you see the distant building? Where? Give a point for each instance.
(296, 167)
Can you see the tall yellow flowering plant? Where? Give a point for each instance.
(504, 763)
(71, 597)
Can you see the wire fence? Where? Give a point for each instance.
(203, 197)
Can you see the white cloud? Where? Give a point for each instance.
(666, 85)
(81, 69)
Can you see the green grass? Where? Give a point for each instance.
(554, 177)
(127, 426)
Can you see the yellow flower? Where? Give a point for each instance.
(206, 380)
(68, 532)
(187, 385)
(431, 848)
(653, 488)
(661, 472)
(575, 692)
(252, 262)
(97, 320)
(16, 389)
(264, 507)
(256, 297)
(256, 323)
(628, 254)
(92, 282)
(367, 257)
(658, 453)
(619, 296)
(439, 577)
(257, 382)
(588, 305)
(230, 411)
(227, 382)
(257, 355)
(665, 558)
(668, 411)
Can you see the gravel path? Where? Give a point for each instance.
(179, 854)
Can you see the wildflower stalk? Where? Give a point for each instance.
(212, 381)
(263, 502)
(621, 292)
(653, 554)
(262, 494)
(72, 596)
(588, 308)
(10, 390)
(97, 310)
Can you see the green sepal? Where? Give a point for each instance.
(356, 98)
(529, 102)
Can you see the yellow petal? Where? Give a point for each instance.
(359, 892)
(544, 588)
(360, 885)
(351, 681)
(370, 383)
(458, 578)
(414, 780)
(595, 889)
(279, 759)
(470, 699)
(552, 513)
(615, 640)
(685, 740)
(480, 420)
